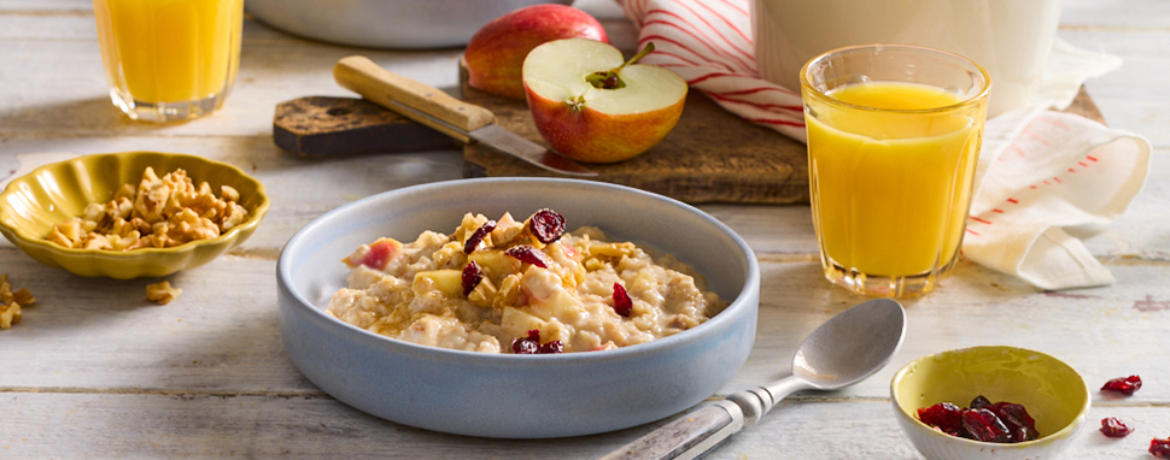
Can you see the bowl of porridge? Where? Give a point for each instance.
(518, 308)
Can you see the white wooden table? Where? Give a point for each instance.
(95, 371)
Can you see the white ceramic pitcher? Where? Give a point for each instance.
(1011, 39)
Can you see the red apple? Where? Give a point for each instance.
(496, 52)
(593, 107)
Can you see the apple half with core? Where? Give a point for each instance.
(496, 52)
(593, 107)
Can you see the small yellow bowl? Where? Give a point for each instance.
(30, 205)
(1053, 392)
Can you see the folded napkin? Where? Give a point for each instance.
(1044, 178)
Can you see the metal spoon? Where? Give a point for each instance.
(845, 350)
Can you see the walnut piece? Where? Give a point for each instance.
(162, 293)
(10, 302)
(160, 212)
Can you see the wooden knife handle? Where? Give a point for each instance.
(380, 86)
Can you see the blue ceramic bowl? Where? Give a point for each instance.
(504, 395)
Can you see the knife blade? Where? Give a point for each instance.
(434, 108)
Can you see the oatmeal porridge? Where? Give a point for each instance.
(511, 286)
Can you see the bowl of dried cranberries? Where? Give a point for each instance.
(994, 402)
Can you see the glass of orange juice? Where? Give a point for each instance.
(169, 60)
(893, 139)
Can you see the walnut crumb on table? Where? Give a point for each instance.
(162, 293)
(10, 303)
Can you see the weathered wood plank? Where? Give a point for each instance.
(214, 427)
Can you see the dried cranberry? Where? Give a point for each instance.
(477, 237)
(552, 347)
(527, 345)
(531, 345)
(547, 225)
(621, 301)
(528, 254)
(984, 425)
(1124, 385)
(1016, 418)
(1115, 428)
(472, 276)
(945, 416)
(1160, 447)
(980, 402)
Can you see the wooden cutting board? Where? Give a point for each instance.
(710, 156)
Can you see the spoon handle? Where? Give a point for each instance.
(687, 437)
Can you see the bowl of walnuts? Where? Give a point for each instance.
(131, 214)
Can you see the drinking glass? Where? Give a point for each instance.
(893, 138)
(169, 60)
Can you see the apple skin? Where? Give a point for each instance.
(496, 52)
(593, 137)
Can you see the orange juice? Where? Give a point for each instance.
(891, 178)
(159, 52)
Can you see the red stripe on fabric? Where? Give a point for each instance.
(756, 90)
(1047, 183)
(775, 122)
(997, 210)
(713, 75)
(1090, 157)
(1018, 150)
(1013, 201)
(1083, 164)
(1036, 136)
(976, 219)
(795, 108)
(732, 26)
(1071, 170)
(1054, 122)
(668, 53)
(682, 46)
(973, 232)
(1057, 179)
(737, 7)
(1033, 187)
(710, 44)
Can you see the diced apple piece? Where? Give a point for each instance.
(449, 282)
(375, 255)
(517, 322)
(484, 294)
(495, 264)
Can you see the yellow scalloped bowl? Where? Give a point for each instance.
(30, 205)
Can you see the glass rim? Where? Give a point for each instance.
(982, 95)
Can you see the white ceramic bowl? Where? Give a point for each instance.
(386, 23)
(504, 395)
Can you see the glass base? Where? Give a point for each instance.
(885, 286)
(163, 112)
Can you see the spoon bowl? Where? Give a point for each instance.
(852, 346)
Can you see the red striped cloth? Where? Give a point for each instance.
(709, 43)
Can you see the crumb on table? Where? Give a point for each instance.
(162, 293)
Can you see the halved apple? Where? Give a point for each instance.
(592, 106)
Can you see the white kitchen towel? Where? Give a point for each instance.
(1044, 179)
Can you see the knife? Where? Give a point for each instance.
(434, 108)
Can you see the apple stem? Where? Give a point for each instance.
(637, 57)
(609, 79)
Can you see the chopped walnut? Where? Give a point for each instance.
(10, 311)
(160, 212)
(162, 293)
